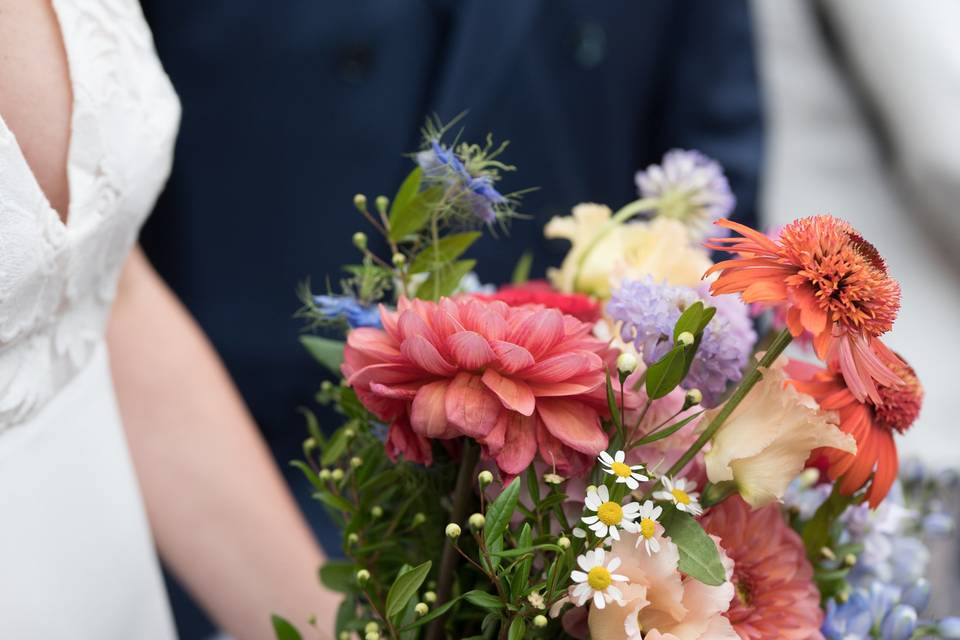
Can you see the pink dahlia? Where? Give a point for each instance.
(519, 380)
(775, 595)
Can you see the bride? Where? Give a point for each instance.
(119, 428)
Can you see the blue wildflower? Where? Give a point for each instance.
(917, 595)
(899, 623)
(350, 309)
(690, 187)
(477, 191)
(852, 619)
(949, 627)
(648, 313)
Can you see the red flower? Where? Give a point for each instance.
(540, 292)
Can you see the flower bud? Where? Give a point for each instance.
(453, 531)
(372, 635)
(477, 521)
(352, 539)
(376, 511)
(337, 475)
(360, 202)
(344, 635)
(362, 576)
(356, 462)
(828, 553)
(553, 478)
(849, 560)
(692, 398)
(808, 477)
(309, 444)
(399, 260)
(324, 474)
(360, 240)
(563, 542)
(371, 627)
(421, 609)
(349, 433)
(949, 627)
(326, 386)
(540, 621)
(418, 519)
(917, 595)
(900, 623)
(429, 596)
(484, 478)
(382, 203)
(685, 338)
(626, 362)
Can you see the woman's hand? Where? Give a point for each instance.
(220, 512)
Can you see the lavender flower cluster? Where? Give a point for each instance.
(648, 313)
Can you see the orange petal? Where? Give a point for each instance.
(573, 423)
(514, 394)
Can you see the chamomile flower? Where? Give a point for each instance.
(648, 527)
(596, 580)
(626, 474)
(610, 514)
(679, 493)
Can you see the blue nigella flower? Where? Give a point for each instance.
(477, 192)
(649, 312)
(691, 188)
(350, 309)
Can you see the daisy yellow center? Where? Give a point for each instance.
(647, 527)
(681, 496)
(621, 469)
(599, 578)
(610, 513)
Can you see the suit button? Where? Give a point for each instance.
(589, 45)
(354, 63)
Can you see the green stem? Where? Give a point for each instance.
(752, 377)
(624, 214)
(461, 500)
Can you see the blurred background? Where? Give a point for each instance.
(835, 106)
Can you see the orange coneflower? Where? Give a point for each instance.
(871, 424)
(834, 285)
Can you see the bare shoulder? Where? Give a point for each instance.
(35, 96)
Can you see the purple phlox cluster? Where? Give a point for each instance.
(477, 191)
(648, 313)
(691, 187)
(355, 313)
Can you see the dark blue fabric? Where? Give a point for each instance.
(291, 107)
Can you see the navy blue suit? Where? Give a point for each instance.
(292, 107)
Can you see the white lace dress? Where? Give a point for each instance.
(76, 557)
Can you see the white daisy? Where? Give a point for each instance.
(678, 492)
(615, 466)
(596, 580)
(648, 527)
(610, 515)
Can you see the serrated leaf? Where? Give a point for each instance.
(339, 576)
(327, 352)
(521, 272)
(448, 249)
(483, 600)
(283, 630)
(699, 557)
(518, 628)
(404, 587)
(665, 374)
(415, 215)
(499, 513)
(444, 281)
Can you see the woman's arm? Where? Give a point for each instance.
(219, 509)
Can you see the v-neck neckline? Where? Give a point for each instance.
(64, 219)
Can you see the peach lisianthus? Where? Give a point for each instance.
(832, 283)
(518, 380)
(659, 603)
(776, 598)
(764, 443)
(660, 248)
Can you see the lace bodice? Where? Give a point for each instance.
(57, 280)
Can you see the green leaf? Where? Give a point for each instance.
(435, 613)
(408, 190)
(415, 215)
(517, 629)
(444, 281)
(521, 272)
(500, 511)
(665, 374)
(404, 588)
(309, 473)
(283, 629)
(699, 557)
(449, 248)
(333, 501)
(339, 576)
(816, 533)
(533, 485)
(667, 431)
(313, 426)
(521, 574)
(525, 549)
(336, 446)
(346, 613)
(483, 600)
(689, 320)
(327, 352)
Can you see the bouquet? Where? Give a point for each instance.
(623, 451)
